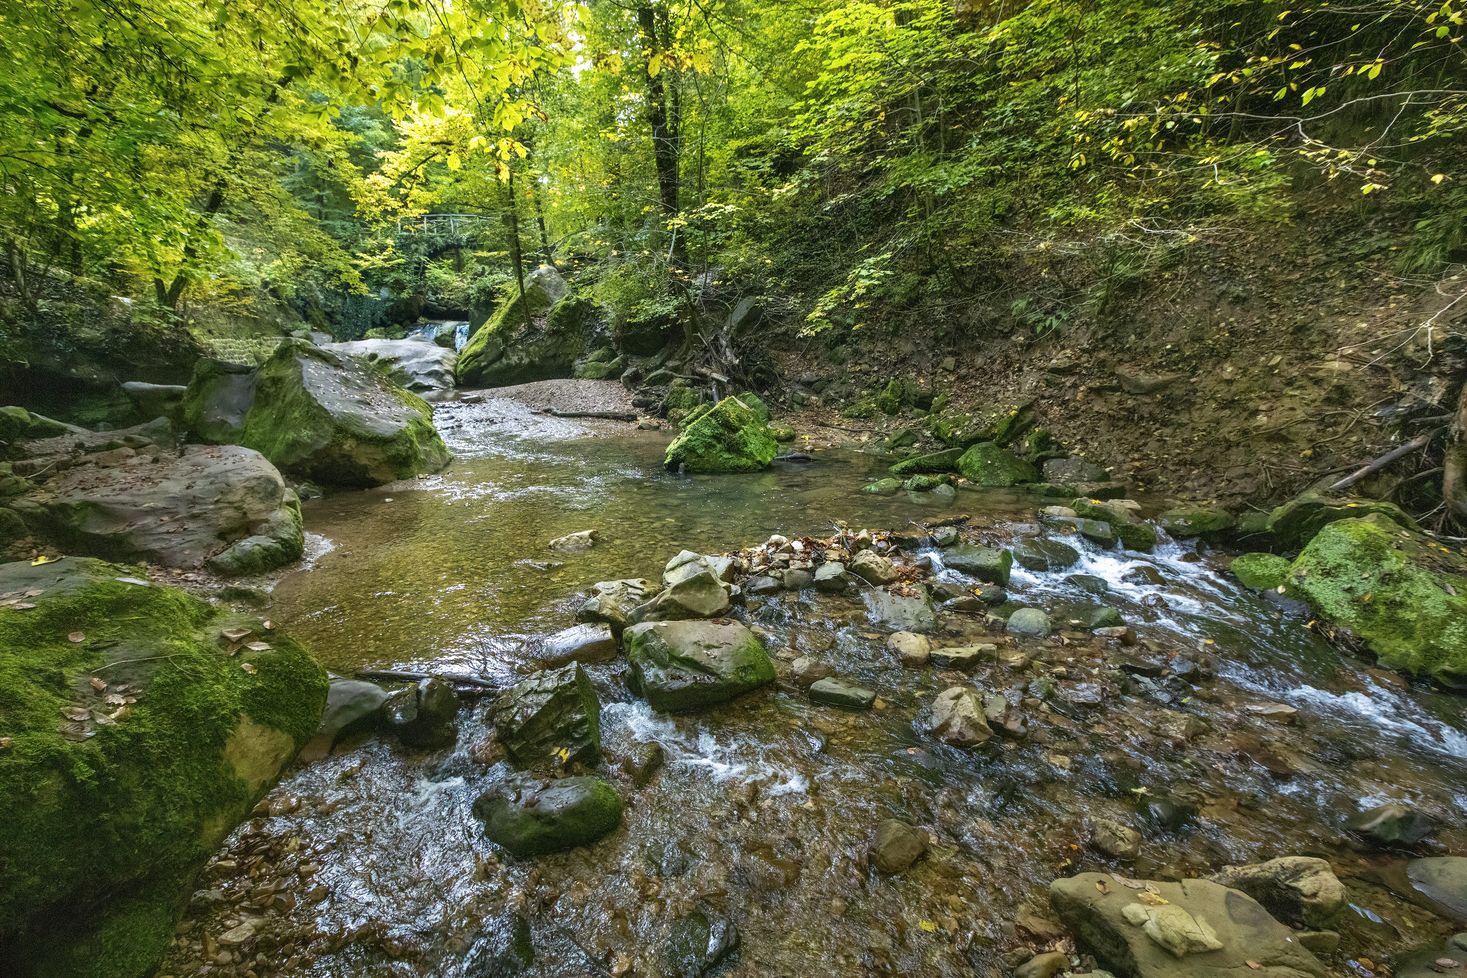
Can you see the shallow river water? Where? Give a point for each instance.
(370, 862)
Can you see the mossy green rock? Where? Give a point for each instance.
(684, 665)
(1296, 522)
(1262, 572)
(1186, 522)
(725, 437)
(929, 463)
(127, 789)
(537, 336)
(217, 399)
(985, 563)
(964, 429)
(990, 465)
(18, 424)
(1400, 594)
(336, 421)
(883, 487)
(533, 816)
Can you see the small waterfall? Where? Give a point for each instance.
(431, 329)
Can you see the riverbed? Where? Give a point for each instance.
(371, 863)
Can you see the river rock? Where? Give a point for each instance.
(1260, 571)
(1123, 517)
(586, 643)
(964, 658)
(896, 846)
(535, 336)
(873, 568)
(905, 610)
(1186, 522)
(699, 942)
(1299, 520)
(422, 367)
(221, 506)
(578, 542)
(532, 816)
(684, 665)
(1191, 929)
(217, 399)
(134, 745)
(1442, 880)
(1029, 623)
(1392, 824)
(352, 707)
(1068, 471)
(831, 577)
(688, 564)
(914, 650)
(721, 438)
(701, 595)
(551, 718)
(958, 717)
(992, 466)
(1406, 600)
(1043, 554)
(1114, 839)
(614, 602)
(928, 463)
(989, 564)
(1298, 890)
(883, 487)
(423, 714)
(338, 422)
(806, 671)
(156, 400)
(839, 693)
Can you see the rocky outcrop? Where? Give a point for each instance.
(532, 816)
(1406, 601)
(684, 665)
(224, 507)
(418, 365)
(551, 718)
(1191, 929)
(725, 437)
(134, 742)
(217, 399)
(537, 336)
(1298, 890)
(338, 422)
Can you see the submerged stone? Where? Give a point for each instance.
(551, 718)
(423, 714)
(532, 816)
(134, 743)
(897, 846)
(699, 942)
(905, 610)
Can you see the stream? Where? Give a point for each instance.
(370, 862)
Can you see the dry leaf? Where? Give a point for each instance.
(258, 646)
(6, 742)
(76, 638)
(1253, 964)
(99, 684)
(248, 667)
(77, 713)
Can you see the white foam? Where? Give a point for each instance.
(689, 744)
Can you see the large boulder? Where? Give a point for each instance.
(1442, 880)
(1191, 929)
(419, 365)
(1405, 600)
(536, 336)
(551, 718)
(992, 466)
(683, 665)
(134, 742)
(729, 436)
(532, 816)
(217, 399)
(1296, 522)
(220, 506)
(336, 421)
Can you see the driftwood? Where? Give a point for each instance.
(1400, 451)
(795, 457)
(600, 415)
(396, 676)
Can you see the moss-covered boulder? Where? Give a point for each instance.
(17, 425)
(992, 466)
(1123, 516)
(724, 437)
(684, 665)
(537, 336)
(1296, 522)
(533, 816)
(928, 463)
(217, 399)
(1262, 572)
(133, 742)
(1400, 594)
(336, 421)
(958, 428)
(1187, 522)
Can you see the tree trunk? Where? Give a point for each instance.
(665, 150)
(516, 255)
(1454, 466)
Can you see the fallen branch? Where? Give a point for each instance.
(396, 676)
(599, 415)
(1400, 451)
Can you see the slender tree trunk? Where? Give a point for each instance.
(516, 255)
(664, 128)
(1454, 466)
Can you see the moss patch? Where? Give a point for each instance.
(725, 437)
(987, 464)
(1393, 590)
(1296, 522)
(1262, 572)
(106, 796)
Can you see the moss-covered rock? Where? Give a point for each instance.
(134, 744)
(725, 437)
(1122, 517)
(1296, 522)
(1260, 571)
(336, 421)
(883, 487)
(990, 465)
(684, 665)
(963, 429)
(928, 463)
(217, 399)
(532, 816)
(537, 336)
(1186, 522)
(17, 424)
(1404, 597)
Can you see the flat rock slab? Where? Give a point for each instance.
(1443, 881)
(1191, 929)
(419, 366)
(223, 505)
(836, 692)
(901, 611)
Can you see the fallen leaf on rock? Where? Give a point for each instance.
(76, 638)
(99, 684)
(248, 667)
(77, 713)
(43, 559)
